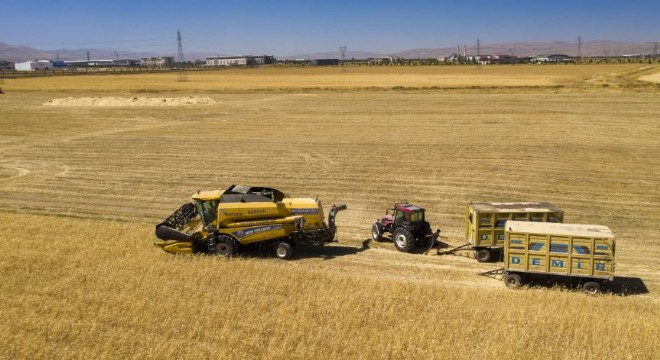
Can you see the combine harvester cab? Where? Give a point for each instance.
(484, 223)
(555, 251)
(224, 222)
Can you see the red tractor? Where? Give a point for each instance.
(407, 226)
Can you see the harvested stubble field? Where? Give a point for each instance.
(81, 188)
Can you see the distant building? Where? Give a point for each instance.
(84, 63)
(245, 60)
(227, 61)
(325, 62)
(33, 65)
(125, 62)
(539, 59)
(157, 61)
(559, 58)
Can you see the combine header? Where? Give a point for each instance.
(224, 222)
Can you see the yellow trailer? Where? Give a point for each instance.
(568, 250)
(484, 222)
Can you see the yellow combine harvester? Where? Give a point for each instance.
(225, 221)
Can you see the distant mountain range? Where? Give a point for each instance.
(592, 48)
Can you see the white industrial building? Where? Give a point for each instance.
(33, 65)
(227, 61)
(239, 60)
(157, 61)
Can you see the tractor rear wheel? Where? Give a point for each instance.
(513, 281)
(224, 246)
(482, 255)
(283, 250)
(403, 240)
(591, 288)
(377, 232)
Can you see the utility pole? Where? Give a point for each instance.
(183, 73)
(117, 56)
(87, 55)
(478, 48)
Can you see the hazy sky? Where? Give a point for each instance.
(289, 27)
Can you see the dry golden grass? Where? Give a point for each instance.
(330, 79)
(82, 187)
(99, 291)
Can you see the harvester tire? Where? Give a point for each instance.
(377, 232)
(483, 255)
(224, 246)
(591, 288)
(513, 281)
(283, 250)
(403, 240)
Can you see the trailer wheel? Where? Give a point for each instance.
(403, 240)
(483, 255)
(513, 281)
(591, 288)
(377, 232)
(224, 246)
(283, 250)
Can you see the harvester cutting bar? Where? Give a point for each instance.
(171, 228)
(180, 217)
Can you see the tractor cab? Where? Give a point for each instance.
(403, 214)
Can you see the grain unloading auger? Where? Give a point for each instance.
(226, 221)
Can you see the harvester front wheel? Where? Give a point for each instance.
(224, 246)
(591, 288)
(283, 250)
(513, 281)
(377, 232)
(403, 240)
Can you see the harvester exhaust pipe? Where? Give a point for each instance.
(332, 228)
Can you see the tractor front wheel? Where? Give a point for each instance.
(403, 240)
(377, 232)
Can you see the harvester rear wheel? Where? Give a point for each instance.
(513, 281)
(283, 250)
(591, 288)
(224, 246)
(377, 232)
(482, 255)
(403, 240)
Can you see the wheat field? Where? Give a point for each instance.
(81, 188)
